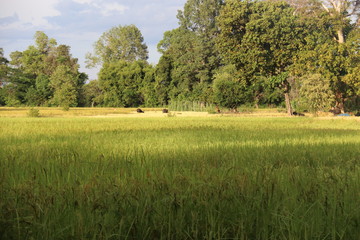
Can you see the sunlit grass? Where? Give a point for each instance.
(179, 178)
(72, 112)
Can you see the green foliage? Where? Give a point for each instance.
(196, 106)
(64, 84)
(33, 112)
(229, 90)
(270, 44)
(163, 80)
(123, 83)
(260, 39)
(93, 94)
(315, 93)
(4, 68)
(124, 43)
(29, 78)
(186, 70)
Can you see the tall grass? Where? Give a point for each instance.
(179, 178)
(194, 106)
(71, 112)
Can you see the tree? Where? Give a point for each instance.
(64, 84)
(315, 93)
(124, 43)
(260, 38)
(32, 69)
(4, 71)
(93, 93)
(163, 79)
(190, 52)
(229, 89)
(340, 11)
(122, 83)
(4, 68)
(332, 48)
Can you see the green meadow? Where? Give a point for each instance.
(180, 178)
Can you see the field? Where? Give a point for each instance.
(171, 177)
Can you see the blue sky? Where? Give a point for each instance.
(79, 23)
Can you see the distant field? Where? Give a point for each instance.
(128, 112)
(73, 112)
(189, 177)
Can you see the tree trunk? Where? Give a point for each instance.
(340, 102)
(288, 104)
(287, 98)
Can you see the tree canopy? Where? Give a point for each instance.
(119, 43)
(302, 54)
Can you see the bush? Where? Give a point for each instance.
(315, 93)
(33, 112)
(229, 89)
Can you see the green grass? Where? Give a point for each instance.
(179, 178)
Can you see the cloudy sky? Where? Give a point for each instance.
(79, 23)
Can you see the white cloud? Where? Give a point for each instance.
(30, 13)
(106, 8)
(84, 1)
(109, 9)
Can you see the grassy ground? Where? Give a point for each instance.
(179, 178)
(72, 112)
(130, 112)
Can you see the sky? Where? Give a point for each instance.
(79, 23)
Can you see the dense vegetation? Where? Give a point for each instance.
(226, 53)
(179, 178)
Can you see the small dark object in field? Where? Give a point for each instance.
(357, 114)
(165, 110)
(139, 110)
(298, 114)
(335, 111)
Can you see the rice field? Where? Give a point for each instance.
(179, 178)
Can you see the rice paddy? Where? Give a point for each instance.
(179, 178)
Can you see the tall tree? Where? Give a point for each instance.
(32, 69)
(93, 93)
(124, 43)
(191, 52)
(260, 38)
(340, 11)
(4, 71)
(332, 47)
(122, 83)
(64, 82)
(4, 68)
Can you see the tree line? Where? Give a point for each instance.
(302, 54)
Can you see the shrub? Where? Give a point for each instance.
(315, 93)
(33, 112)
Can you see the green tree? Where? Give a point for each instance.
(163, 79)
(260, 38)
(148, 88)
(32, 69)
(122, 83)
(190, 52)
(124, 43)
(315, 93)
(4, 71)
(93, 93)
(332, 48)
(4, 68)
(64, 84)
(230, 90)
